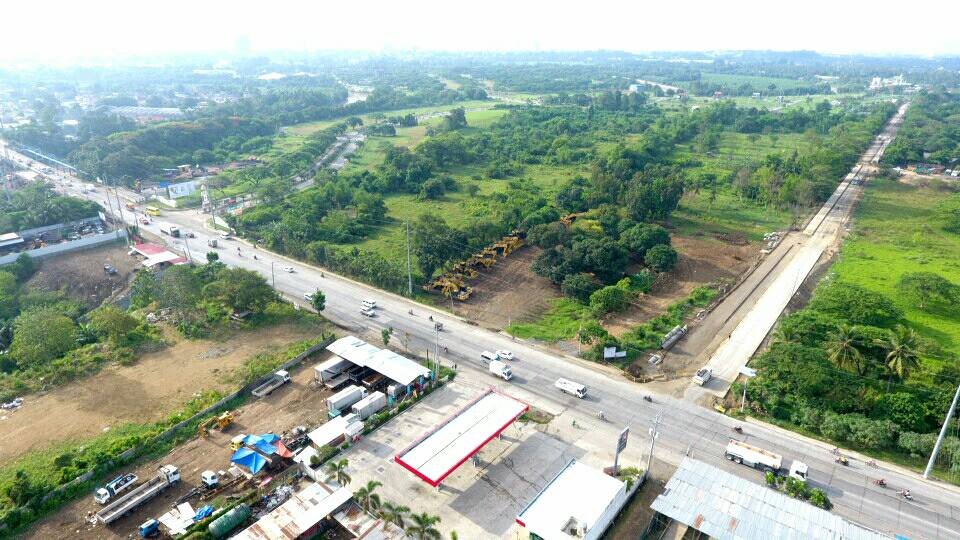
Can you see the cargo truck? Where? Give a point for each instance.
(369, 405)
(171, 230)
(332, 372)
(277, 380)
(500, 369)
(344, 399)
(764, 460)
(115, 487)
(167, 475)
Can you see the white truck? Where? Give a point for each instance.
(115, 487)
(169, 229)
(331, 373)
(569, 387)
(703, 375)
(167, 475)
(343, 399)
(764, 460)
(277, 380)
(500, 369)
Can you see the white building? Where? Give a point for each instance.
(579, 503)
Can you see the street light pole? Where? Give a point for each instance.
(654, 434)
(273, 275)
(943, 433)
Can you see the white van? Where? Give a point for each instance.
(571, 387)
(368, 303)
(487, 357)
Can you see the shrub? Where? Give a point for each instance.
(856, 305)
(608, 299)
(579, 286)
(661, 258)
(819, 499)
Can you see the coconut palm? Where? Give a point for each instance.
(337, 471)
(369, 500)
(394, 513)
(422, 527)
(842, 348)
(902, 357)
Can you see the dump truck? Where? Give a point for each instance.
(275, 381)
(344, 399)
(167, 475)
(764, 460)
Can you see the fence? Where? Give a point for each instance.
(66, 247)
(130, 453)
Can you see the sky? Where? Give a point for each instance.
(51, 32)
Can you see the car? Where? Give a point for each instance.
(189, 234)
(110, 269)
(308, 297)
(504, 354)
(288, 269)
(225, 236)
(368, 312)
(144, 221)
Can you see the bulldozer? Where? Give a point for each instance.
(220, 422)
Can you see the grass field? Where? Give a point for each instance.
(895, 230)
(757, 81)
(311, 127)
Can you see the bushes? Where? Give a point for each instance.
(856, 305)
(661, 258)
(579, 286)
(609, 299)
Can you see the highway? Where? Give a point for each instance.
(686, 428)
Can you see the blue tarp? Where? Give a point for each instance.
(266, 448)
(254, 440)
(249, 459)
(204, 512)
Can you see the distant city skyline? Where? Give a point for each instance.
(53, 32)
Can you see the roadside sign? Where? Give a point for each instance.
(622, 442)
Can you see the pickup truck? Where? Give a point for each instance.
(703, 375)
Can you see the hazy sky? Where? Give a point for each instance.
(65, 31)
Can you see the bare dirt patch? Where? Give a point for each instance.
(155, 386)
(297, 403)
(701, 261)
(80, 274)
(508, 292)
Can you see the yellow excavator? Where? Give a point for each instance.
(220, 422)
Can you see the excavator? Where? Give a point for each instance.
(220, 422)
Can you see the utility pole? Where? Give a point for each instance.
(943, 433)
(654, 434)
(409, 267)
(273, 275)
(436, 354)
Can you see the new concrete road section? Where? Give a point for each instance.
(686, 428)
(786, 271)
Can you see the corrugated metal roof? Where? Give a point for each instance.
(725, 506)
(383, 361)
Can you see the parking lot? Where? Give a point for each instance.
(482, 498)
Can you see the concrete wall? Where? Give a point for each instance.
(35, 232)
(66, 247)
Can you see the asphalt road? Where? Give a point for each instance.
(686, 427)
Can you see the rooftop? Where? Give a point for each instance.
(298, 515)
(725, 506)
(383, 361)
(579, 494)
(438, 453)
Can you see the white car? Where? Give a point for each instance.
(308, 297)
(368, 313)
(288, 269)
(504, 355)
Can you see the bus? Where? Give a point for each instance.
(152, 210)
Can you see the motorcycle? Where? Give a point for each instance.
(601, 416)
(648, 398)
(738, 429)
(880, 482)
(842, 460)
(905, 493)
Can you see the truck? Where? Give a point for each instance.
(171, 230)
(331, 373)
(703, 375)
(212, 242)
(569, 387)
(344, 399)
(115, 487)
(369, 405)
(167, 475)
(500, 369)
(275, 381)
(764, 460)
(673, 336)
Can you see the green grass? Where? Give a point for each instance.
(727, 215)
(759, 82)
(312, 127)
(896, 231)
(561, 321)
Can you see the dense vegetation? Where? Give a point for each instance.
(930, 131)
(36, 205)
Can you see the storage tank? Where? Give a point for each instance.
(222, 526)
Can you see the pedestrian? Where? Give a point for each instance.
(454, 366)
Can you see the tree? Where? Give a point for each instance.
(422, 527)
(113, 323)
(608, 299)
(547, 235)
(643, 236)
(394, 513)
(603, 256)
(856, 305)
(369, 500)
(579, 286)
(432, 189)
(179, 289)
(902, 357)
(337, 471)
(457, 119)
(23, 267)
(386, 334)
(926, 287)
(318, 300)
(661, 258)
(842, 348)
(212, 257)
(240, 290)
(435, 243)
(41, 335)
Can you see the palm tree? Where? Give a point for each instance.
(423, 528)
(337, 470)
(902, 357)
(369, 500)
(394, 513)
(788, 334)
(842, 348)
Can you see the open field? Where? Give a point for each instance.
(297, 403)
(311, 127)
(80, 274)
(895, 230)
(147, 391)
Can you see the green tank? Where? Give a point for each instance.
(222, 526)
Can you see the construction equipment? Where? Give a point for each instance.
(452, 284)
(219, 422)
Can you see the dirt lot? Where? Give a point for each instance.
(635, 518)
(297, 403)
(81, 273)
(146, 391)
(508, 292)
